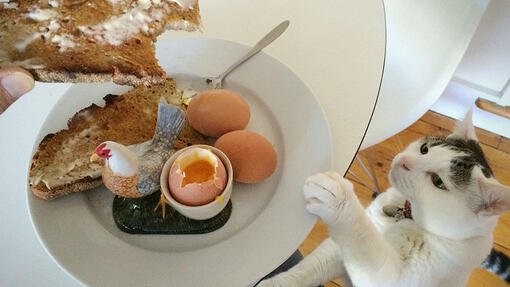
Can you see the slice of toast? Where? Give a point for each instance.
(91, 41)
(61, 163)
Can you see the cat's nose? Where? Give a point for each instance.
(403, 162)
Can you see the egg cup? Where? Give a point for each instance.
(205, 211)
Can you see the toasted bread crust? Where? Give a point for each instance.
(78, 77)
(69, 42)
(61, 163)
(87, 183)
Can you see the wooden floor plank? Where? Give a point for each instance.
(483, 278)
(504, 145)
(320, 232)
(439, 120)
(502, 231)
(502, 249)
(495, 147)
(499, 162)
(447, 123)
(427, 129)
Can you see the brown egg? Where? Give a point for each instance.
(252, 156)
(217, 112)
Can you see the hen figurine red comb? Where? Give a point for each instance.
(102, 152)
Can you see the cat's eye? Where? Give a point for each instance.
(424, 148)
(438, 182)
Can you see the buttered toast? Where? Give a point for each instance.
(61, 163)
(91, 41)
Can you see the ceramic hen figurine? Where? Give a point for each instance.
(134, 171)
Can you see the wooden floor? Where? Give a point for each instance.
(496, 149)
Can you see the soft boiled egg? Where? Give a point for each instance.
(197, 177)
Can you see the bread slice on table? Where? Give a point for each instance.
(91, 41)
(61, 163)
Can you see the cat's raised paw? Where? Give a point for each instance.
(326, 194)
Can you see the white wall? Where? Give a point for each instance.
(483, 72)
(486, 64)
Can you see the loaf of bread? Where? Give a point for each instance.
(91, 40)
(61, 163)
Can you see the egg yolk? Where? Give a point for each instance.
(197, 172)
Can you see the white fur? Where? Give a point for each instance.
(449, 236)
(465, 129)
(122, 161)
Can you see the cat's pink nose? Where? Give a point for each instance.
(404, 163)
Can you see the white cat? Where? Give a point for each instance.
(431, 228)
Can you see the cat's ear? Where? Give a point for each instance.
(495, 198)
(465, 129)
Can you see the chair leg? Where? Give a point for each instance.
(362, 181)
(372, 170)
(370, 173)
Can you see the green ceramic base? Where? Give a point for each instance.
(137, 216)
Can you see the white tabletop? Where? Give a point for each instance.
(336, 47)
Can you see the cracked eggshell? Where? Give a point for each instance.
(196, 194)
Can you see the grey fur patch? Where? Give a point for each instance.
(471, 155)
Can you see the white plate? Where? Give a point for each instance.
(268, 221)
